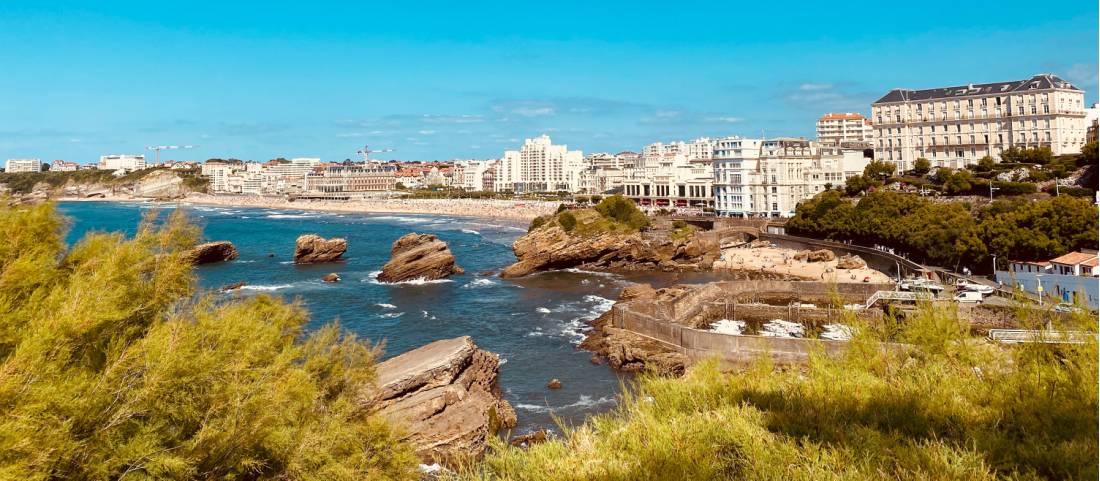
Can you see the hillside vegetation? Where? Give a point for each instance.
(112, 366)
(612, 214)
(949, 408)
(950, 234)
(24, 182)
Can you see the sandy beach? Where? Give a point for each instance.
(778, 260)
(505, 210)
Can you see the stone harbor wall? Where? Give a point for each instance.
(669, 321)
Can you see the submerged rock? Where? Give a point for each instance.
(312, 249)
(232, 287)
(554, 384)
(210, 252)
(445, 396)
(331, 277)
(419, 256)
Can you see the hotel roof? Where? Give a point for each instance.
(844, 116)
(1039, 82)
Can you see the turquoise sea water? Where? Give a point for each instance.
(534, 323)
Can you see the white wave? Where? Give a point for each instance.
(585, 401)
(420, 281)
(536, 333)
(398, 218)
(286, 262)
(591, 273)
(288, 216)
(247, 262)
(391, 315)
(601, 303)
(542, 310)
(262, 287)
(470, 231)
(386, 306)
(479, 283)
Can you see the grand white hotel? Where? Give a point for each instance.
(956, 126)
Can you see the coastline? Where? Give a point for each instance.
(517, 212)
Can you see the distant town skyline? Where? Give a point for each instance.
(450, 80)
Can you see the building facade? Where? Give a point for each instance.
(956, 126)
(838, 128)
(23, 165)
(677, 174)
(123, 162)
(539, 166)
(63, 166)
(768, 178)
(346, 181)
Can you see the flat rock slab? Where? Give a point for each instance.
(446, 398)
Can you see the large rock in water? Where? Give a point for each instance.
(210, 252)
(312, 248)
(446, 398)
(419, 256)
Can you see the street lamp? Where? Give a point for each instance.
(1039, 280)
(991, 189)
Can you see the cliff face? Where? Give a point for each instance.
(419, 256)
(551, 247)
(446, 398)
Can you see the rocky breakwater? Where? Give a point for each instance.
(419, 256)
(312, 249)
(589, 239)
(445, 398)
(628, 351)
(210, 252)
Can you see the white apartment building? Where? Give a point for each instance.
(604, 172)
(539, 166)
(768, 178)
(469, 174)
(23, 165)
(956, 126)
(836, 128)
(63, 166)
(123, 162)
(677, 174)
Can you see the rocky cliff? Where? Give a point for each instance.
(446, 398)
(312, 249)
(419, 256)
(551, 246)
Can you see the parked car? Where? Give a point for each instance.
(965, 297)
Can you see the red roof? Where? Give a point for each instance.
(1075, 258)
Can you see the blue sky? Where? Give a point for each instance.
(443, 80)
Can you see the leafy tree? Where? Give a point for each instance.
(878, 170)
(858, 184)
(1038, 155)
(985, 164)
(112, 366)
(922, 166)
(1088, 155)
(537, 222)
(622, 210)
(959, 182)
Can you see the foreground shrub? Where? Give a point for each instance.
(112, 367)
(951, 407)
(568, 221)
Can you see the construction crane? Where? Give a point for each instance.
(159, 148)
(366, 151)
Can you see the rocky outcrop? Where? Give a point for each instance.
(551, 247)
(210, 252)
(820, 255)
(312, 249)
(419, 256)
(331, 277)
(627, 351)
(850, 262)
(445, 397)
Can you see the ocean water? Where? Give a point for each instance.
(534, 323)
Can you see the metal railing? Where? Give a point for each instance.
(1018, 336)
